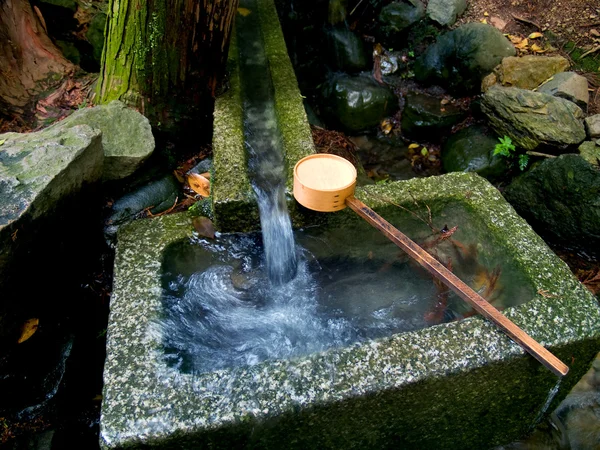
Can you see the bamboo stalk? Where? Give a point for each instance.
(481, 305)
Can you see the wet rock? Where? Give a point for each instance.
(590, 151)
(358, 102)
(472, 150)
(528, 72)
(158, 195)
(204, 227)
(346, 51)
(126, 136)
(531, 119)
(560, 197)
(445, 12)
(398, 16)
(570, 86)
(426, 116)
(592, 126)
(461, 58)
(38, 171)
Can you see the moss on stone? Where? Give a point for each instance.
(447, 386)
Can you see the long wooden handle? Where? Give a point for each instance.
(481, 305)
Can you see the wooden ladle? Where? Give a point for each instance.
(324, 182)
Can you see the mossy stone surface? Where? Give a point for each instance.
(234, 203)
(126, 136)
(447, 386)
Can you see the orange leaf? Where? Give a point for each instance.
(29, 328)
(536, 48)
(523, 44)
(199, 184)
(535, 35)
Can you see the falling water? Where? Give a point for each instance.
(263, 143)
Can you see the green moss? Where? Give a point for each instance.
(291, 116)
(590, 63)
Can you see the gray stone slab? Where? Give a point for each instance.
(570, 86)
(447, 386)
(592, 126)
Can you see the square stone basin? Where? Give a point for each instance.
(458, 384)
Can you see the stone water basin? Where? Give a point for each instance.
(385, 381)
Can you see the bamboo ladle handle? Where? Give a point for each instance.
(481, 305)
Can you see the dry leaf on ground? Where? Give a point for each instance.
(29, 328)
(199, 184)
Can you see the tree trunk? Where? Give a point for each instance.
(166, 57)
(30, 64)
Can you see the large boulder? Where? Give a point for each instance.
(426, 116)
(560, 197)
(526, 72)
(345, 50)
(461, 58)
(126, 136)
(357, 102)
(398, 16)
(570, 86)
(43, 179)
(445, 12)
(472, 150)
(532, 119)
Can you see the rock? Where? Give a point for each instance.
(445, 12)
(528, 72)
(95, 35)
(68, 4)
(427, 116)
(531, 119)
(126, 136)
(69, 50)
(560, 196)
(346, 51)
(461, 58)
(570, 86)
(590, 151)
(398, 16)
(158, 195)
(472, 150)
(358, 102)
(592, 126)
(42, 175)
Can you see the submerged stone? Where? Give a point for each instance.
(358, 103)
(126, 136)
(472, 150)
(560, 196)
(532, 119)
(375, 394)
(461, 58)
(426, 116)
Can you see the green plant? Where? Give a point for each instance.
(507, 149)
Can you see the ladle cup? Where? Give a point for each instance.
(325, 183)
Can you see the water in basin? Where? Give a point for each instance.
(351, 285)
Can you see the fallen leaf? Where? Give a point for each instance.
(29, 328)
(2, 141)
(206, 175)
(244, 11)
(414, 146)
(535, 35)
(515, 39)
(199, 184)
(204, 227)
(483, 21)
(536, 48)
(522, 45)
(444, 101)
(486, 14)
(386, 126)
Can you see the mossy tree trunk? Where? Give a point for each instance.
(166, 57)
(31, 65)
